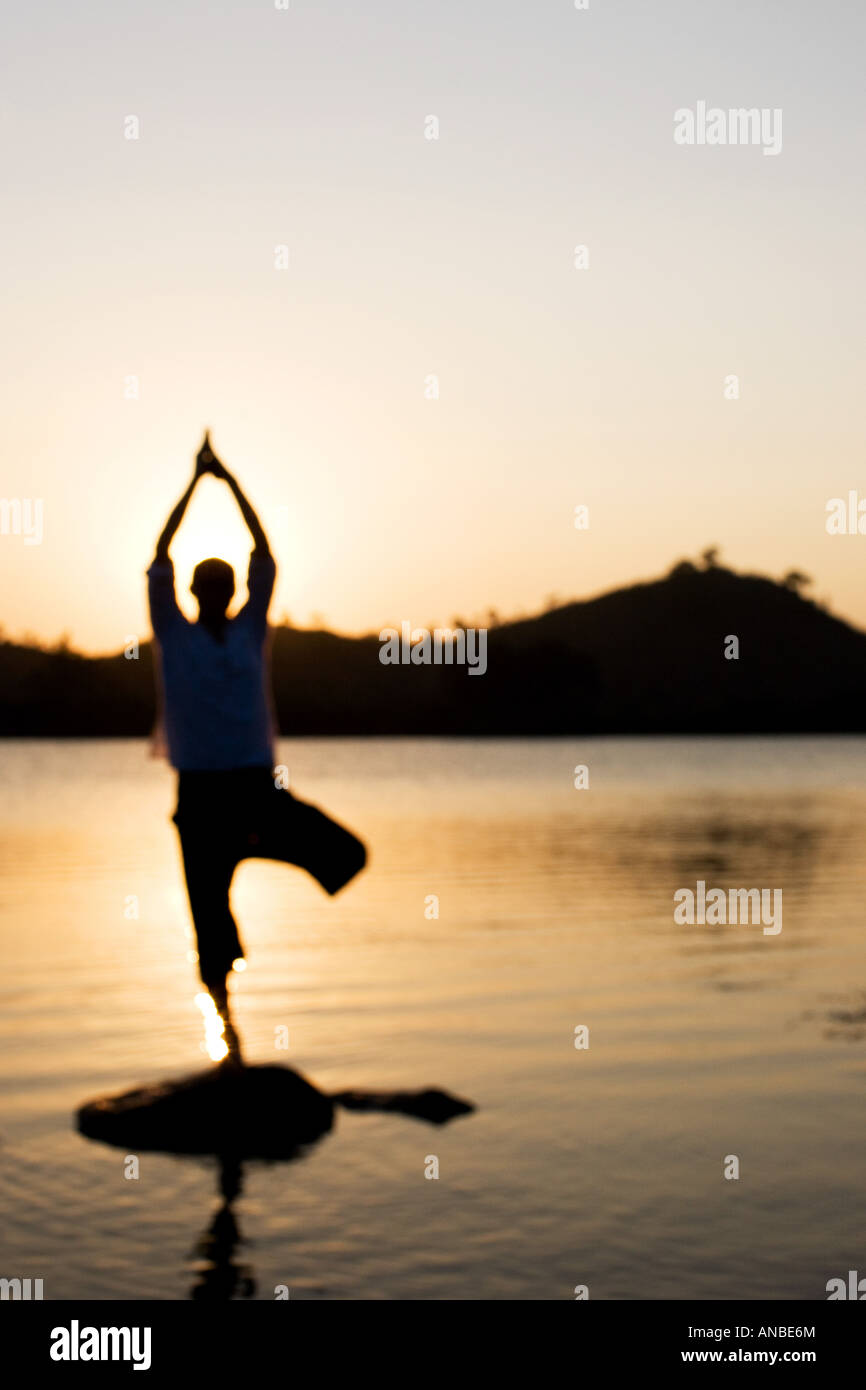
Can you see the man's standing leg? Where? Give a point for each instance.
(208, 867)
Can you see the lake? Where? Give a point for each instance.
(600, 1165)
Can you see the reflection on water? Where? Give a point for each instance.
(502, 909)
(220, 1275)
(238, 1113)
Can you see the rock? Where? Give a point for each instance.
(437, 1107)
(242, 1112)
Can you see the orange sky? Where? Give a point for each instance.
(410, 257)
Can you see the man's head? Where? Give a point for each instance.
(213, 584)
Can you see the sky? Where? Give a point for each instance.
(412, 258)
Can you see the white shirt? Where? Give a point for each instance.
(216, 703)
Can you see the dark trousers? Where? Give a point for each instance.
(227, 816)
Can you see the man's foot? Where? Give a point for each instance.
(221, 1042)
(219, 993)
(233, 1057)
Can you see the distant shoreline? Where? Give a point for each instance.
(701, 652)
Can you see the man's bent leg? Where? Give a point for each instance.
(294, 832)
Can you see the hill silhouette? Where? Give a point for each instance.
(648, 658)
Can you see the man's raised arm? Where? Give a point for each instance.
(164, 612)
(260, 581)
(204, 463)
(173, 522)
(260, 540)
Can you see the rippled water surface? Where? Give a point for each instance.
(601, 1166)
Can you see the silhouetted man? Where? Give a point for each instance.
(219, 733)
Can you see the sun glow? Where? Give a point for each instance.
(211, 527)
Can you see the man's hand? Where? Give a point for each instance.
(206, 460)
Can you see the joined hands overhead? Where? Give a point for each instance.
(206, 461)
